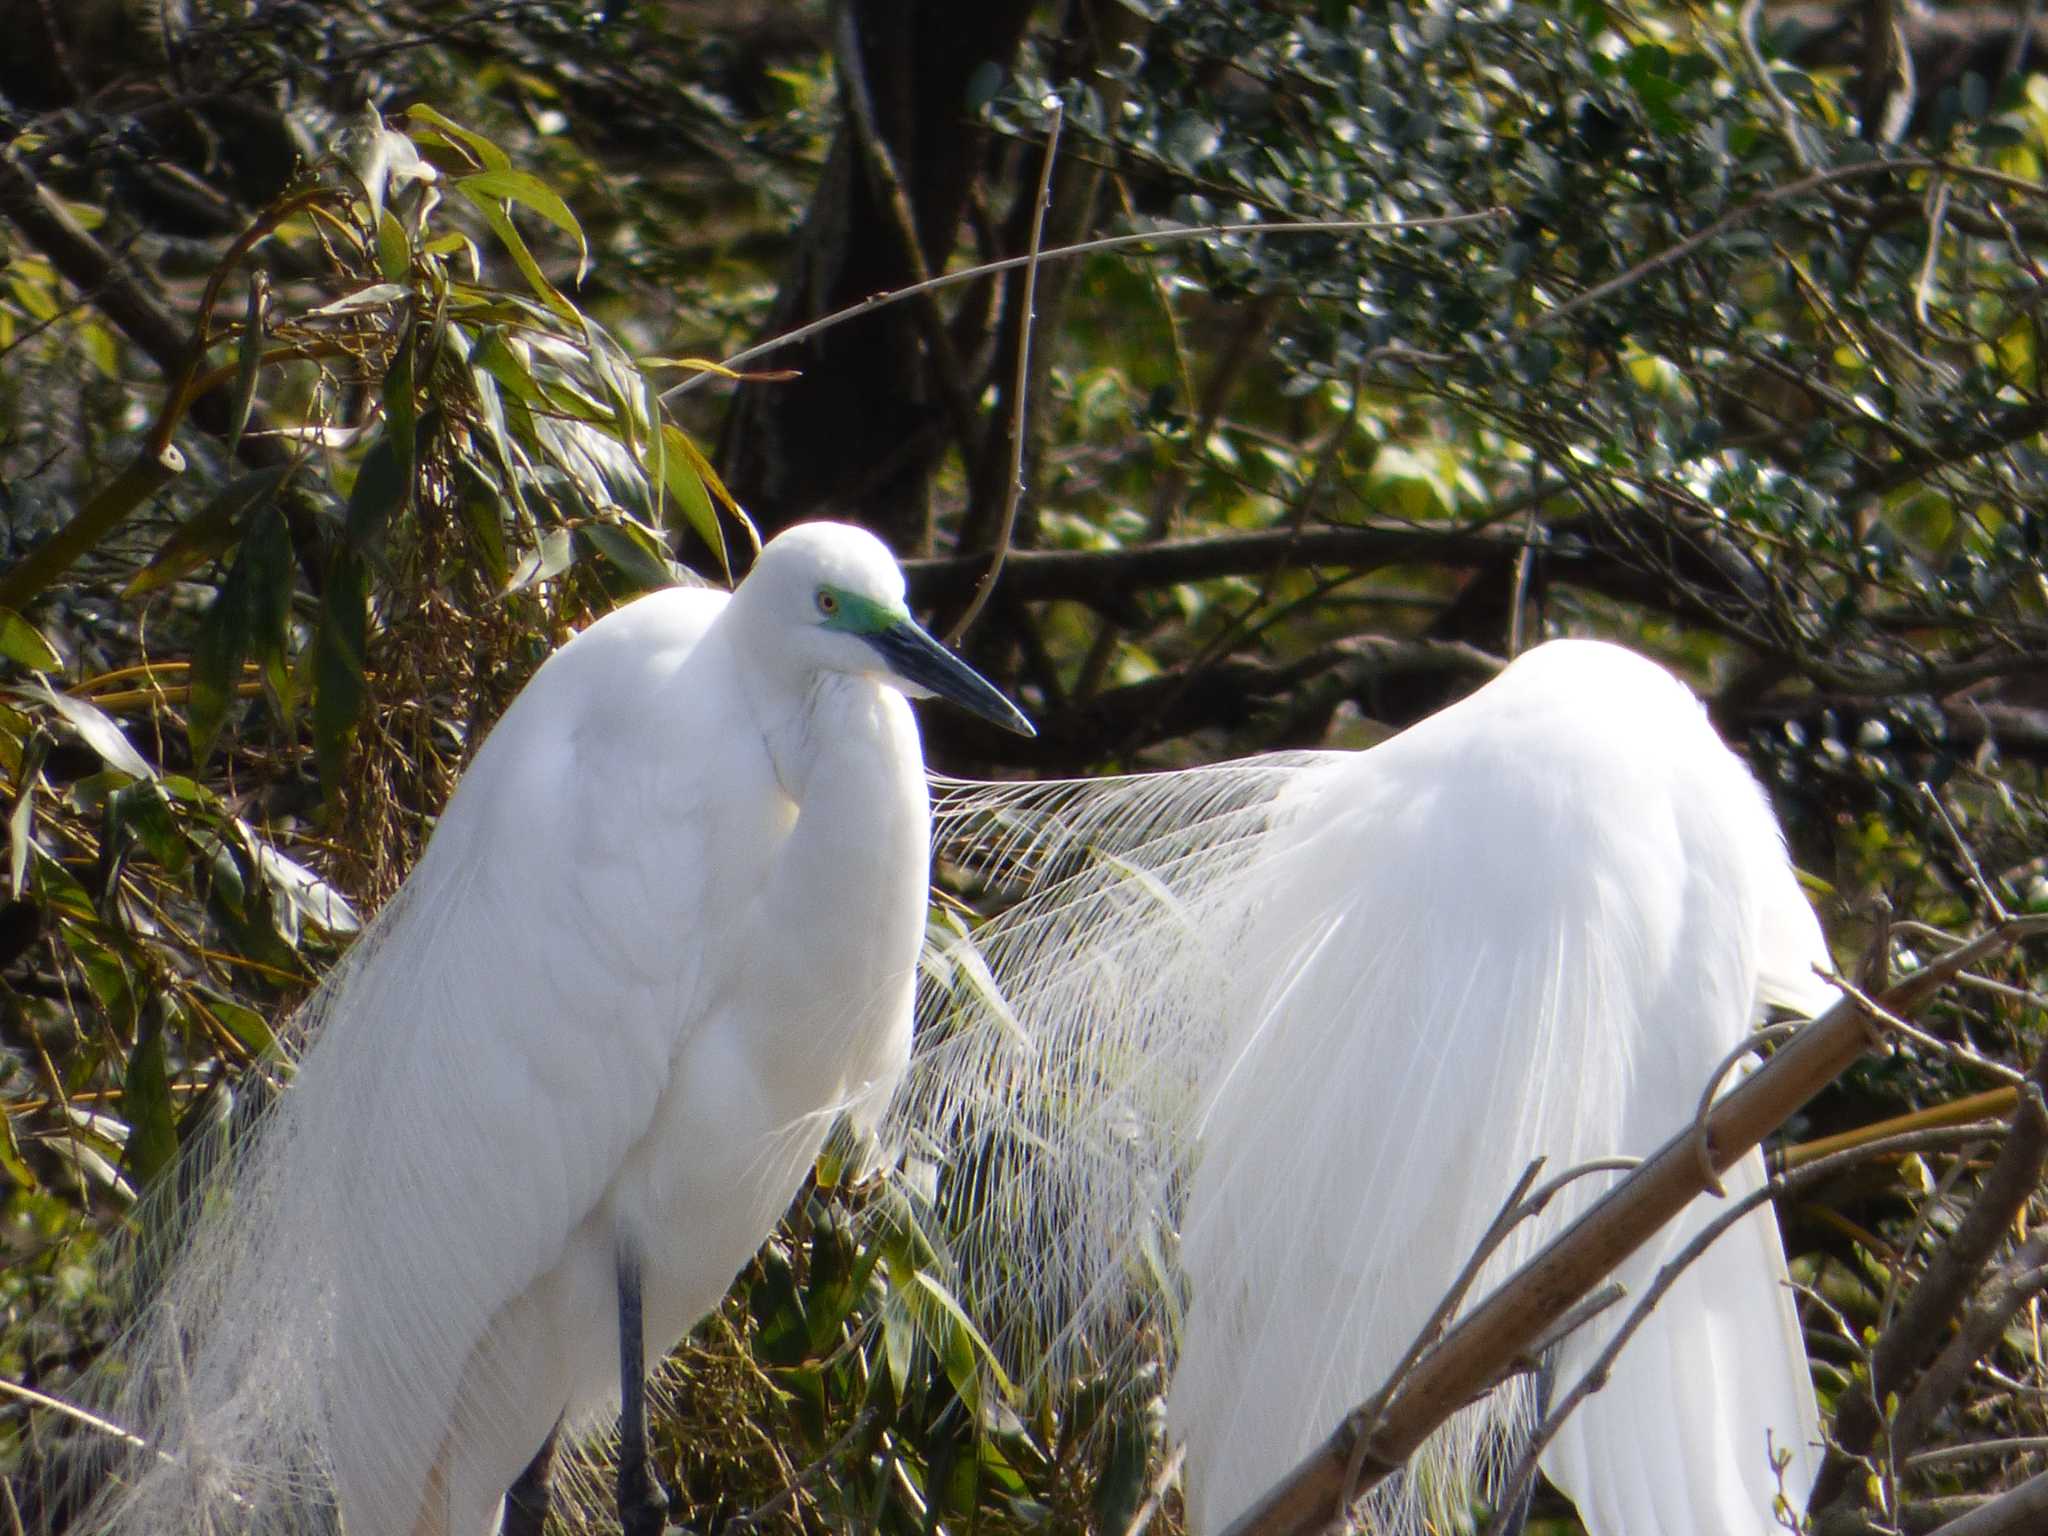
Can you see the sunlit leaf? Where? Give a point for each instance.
(23, 643)
(553, 555)
(97, 730)
(529, 191)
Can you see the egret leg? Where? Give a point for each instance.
(643, 1504)
(526, 1502)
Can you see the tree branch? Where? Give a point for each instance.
(1922, 1323)
(1314, 1494)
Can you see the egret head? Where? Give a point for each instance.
(834, 594)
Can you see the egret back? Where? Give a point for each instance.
(1344, 1001)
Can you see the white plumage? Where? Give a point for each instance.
(1311, 1016)
(666, 930)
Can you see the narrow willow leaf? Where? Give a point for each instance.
(210, 530)
(681, 479)
(401, 414)
(515, 244)
(97, 730)
(248, 360)
(487, 153)
(394, 248)
(529, 191)
(22, 642)
(376, 296)
(21, 820)
(248, 617)
(146, 1102)
(545, 561)
(308, 894)
(379, 492)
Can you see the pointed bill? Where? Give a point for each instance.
(918, 659)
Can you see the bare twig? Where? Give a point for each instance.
(78, 1415)
(1019, 390)
(2019, 1445)
(1952, 1272)
(2019, 1281)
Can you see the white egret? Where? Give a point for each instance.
(665, 931)
(1309, 1017)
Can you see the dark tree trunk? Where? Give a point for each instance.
(859, 434)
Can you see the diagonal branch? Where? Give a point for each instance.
(1312, 1496)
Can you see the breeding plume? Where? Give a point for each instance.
(1288, 1031)
(665, 932)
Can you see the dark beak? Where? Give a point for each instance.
(929, 667)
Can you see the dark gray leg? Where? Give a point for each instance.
(526, 1502)
(643, 1505)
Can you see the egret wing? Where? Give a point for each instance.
(457, 1115)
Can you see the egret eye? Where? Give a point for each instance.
(828, 601)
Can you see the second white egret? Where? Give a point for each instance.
(1289, 1030)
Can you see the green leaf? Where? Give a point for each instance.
(553, 555)
(11, 1160)
(634, 553)
(394, 248)
(97, 730)
(1120, 1485)
(146, 1104)
(899, 1341)
(947, 1328)
(244, 1023)
(21, 820)
(248, 617)
(382, 485)
(492, 157)
(144, 809)
(23, 643)
(529, 191)
(688, 477)
(210, 530)
(515, 244)
(483, 512)
(248, 360)
(401, 421)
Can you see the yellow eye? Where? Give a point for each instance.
(828, 601)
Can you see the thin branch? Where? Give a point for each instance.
(1020, 388)
(1952, 1272)
(1084, 248)
(1980, 1328)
